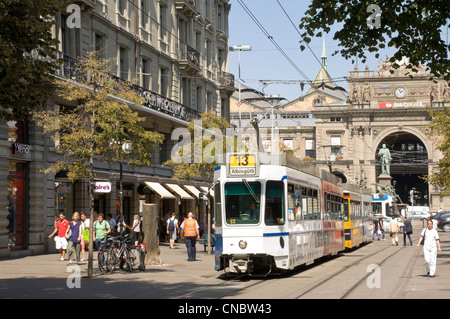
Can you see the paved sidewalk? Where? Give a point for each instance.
(45, 277)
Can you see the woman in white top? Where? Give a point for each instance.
(431, 246)
(136, 228)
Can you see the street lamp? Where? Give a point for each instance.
(239, 48)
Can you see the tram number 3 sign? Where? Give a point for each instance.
(243, 164)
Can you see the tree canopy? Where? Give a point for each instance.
(27, 54)
(414, 28)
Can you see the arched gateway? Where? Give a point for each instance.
(409, 164)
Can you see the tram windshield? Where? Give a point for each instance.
(242, 202)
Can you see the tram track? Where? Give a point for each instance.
(299, 274)
(341, 270)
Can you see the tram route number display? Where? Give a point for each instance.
(243, 164)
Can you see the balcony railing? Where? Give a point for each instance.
(225, 79)
(69, 70)
(189, 58)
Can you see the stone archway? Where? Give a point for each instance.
(410, 155)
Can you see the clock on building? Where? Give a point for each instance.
(400, 92)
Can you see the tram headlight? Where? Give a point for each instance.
(242, 244)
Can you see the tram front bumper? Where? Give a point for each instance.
(240, 264)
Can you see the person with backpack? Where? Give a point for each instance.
(172, 229)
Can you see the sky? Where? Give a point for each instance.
(265, 62)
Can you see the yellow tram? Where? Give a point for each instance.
(357, 216)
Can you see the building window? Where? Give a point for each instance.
(162, 21)
(121, 6)
(335, 145)
(99, 45)
(163, 82)
(310, 148)
(17, 205)
(145, 82)
(199, 98)
(144, 14)
(219, 17)
(123, 68)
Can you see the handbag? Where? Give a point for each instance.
(86, 235)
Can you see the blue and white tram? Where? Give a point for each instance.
(270, 217)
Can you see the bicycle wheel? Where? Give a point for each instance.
(105, 262)
(133, 260)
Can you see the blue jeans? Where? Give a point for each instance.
(100, 242)
(191, 249)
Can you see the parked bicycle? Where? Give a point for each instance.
(118, 251)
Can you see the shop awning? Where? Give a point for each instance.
(194, 190)
(158, 188)
(181, 192)
(206, 190)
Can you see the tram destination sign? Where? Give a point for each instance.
(242, 165)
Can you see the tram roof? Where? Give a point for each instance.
(293, 162)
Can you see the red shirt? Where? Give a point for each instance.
(62, 227)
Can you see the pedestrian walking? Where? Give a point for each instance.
(101, 229)
(85, 226)
(393, 231)
(61, 227)
(431, 246)
(112, 223)
(383, 234)
(375, 228)
(190, 232)
(172, 229)
(136, 229)
(74, 239)
(407, 230)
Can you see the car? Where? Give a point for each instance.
(418, 215)
(443, 220)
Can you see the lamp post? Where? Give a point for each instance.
(126, 147)
(240, 48)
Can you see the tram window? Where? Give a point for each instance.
(298, 215)
(242, 202)
(217, 206)
(274, 210)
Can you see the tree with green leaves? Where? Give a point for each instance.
(27, 54)
(416, 29)
(440, 130)
(202, 148)
(102, 124)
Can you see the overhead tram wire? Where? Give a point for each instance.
(270, 37)
(296, 29)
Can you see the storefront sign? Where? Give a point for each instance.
(102, 187)
(18, 148)
(390, 105)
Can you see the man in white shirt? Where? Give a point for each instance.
(431, 246)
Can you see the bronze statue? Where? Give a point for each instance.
(385, 159)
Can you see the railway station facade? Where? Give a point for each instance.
(342, 131)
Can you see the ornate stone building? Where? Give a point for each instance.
(384, 108)
(345, 131)
(175, 52)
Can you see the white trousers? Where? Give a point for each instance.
(430, 260)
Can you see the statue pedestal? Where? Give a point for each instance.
(385, 180)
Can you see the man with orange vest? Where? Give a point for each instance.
(190, 232)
